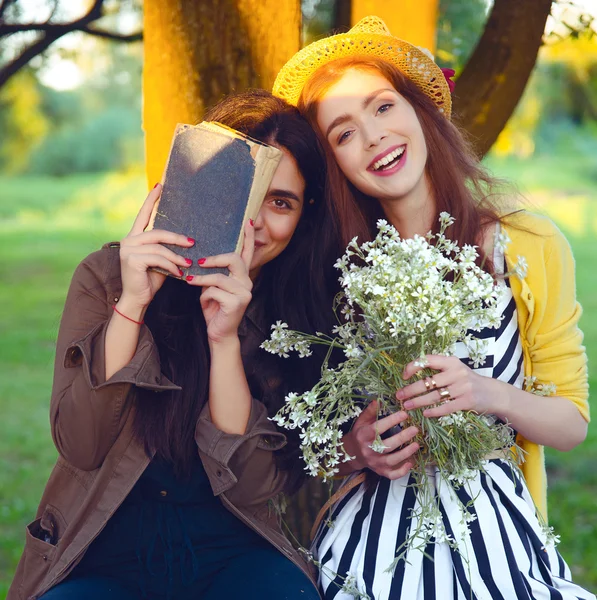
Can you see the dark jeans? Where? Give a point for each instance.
(263, 574)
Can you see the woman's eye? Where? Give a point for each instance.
(384, 108)
(279, 203)
(344, 137)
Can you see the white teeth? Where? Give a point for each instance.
(388, 158)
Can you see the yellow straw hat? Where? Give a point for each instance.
(369, 37)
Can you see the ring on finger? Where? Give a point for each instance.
(444, 394)
(433, 384)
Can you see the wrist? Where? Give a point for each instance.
(224, 344)
(502, 399)
(130, 310)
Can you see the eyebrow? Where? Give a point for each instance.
(279, 193)
(346, 117)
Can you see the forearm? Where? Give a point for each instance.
(122, 336)
(546, 420)
(229, 394)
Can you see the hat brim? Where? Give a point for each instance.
(411, 61)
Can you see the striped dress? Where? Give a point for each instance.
(506, 555)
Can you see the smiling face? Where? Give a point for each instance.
(280, 212)
(375, 136)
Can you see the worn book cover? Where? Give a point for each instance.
(214, 182)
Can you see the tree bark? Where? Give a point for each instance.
(497, 72)
(198, 52)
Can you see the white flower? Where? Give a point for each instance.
(377, 445)
(521, 267)
(501, 240)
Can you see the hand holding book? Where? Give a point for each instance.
(141, 252)
(225, 298)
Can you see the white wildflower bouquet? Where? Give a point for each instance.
(402, 299)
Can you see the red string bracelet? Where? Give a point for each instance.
(125, 317)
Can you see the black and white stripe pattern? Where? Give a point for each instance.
(503, 557)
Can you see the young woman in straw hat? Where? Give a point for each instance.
(382, 109)
(169, 469)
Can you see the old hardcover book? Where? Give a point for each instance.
(214, 182)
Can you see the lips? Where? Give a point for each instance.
(385, 157)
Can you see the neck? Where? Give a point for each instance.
(412, 214)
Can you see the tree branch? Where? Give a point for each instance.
(109, 35)
(52, 32)
(29, 53)
(497, 72)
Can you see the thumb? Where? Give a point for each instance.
(369, 415)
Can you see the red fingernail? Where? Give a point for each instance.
(188, 261)
(201, 261)
(190, 240)
(251, 222)
(156, 185)
(190, 277)
(180, 273)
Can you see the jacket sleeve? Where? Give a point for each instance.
(244, 465)
(556, 349)
(87, 412)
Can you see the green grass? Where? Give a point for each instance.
(48, 225)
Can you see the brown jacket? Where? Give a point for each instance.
(100, 461)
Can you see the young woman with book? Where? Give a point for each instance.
(382, 110)
(169, 469)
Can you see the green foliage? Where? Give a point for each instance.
(23, 122)
(460, 24)
(93, 128)
(107, 141)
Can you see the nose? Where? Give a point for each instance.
(259, 220)
(373, 135)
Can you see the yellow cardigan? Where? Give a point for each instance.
(548, 315)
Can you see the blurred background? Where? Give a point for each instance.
(78, 78)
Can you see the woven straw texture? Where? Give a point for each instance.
(369, 37)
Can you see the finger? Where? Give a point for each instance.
(427, 400)
(424, 385)
(368, 416)
(249, 243)
(396, 458)
(447, 408)
(232, 261)
(158, 236)
(400, 439)
(130, 252)
(385, 423)
(148, 261)
(221, 281)
(433, 361)
(144, 216)
(214, 294)
(401, 471)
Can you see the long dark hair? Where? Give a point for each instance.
(293, 287)
(460, 184)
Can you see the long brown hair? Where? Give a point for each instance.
(294, 287)
(459, 183)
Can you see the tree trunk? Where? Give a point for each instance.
(497, 72)
(198, 52)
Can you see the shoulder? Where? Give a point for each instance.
(533, 234)
(100, 267)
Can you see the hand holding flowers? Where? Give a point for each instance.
(396, 460)
(467, 390)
